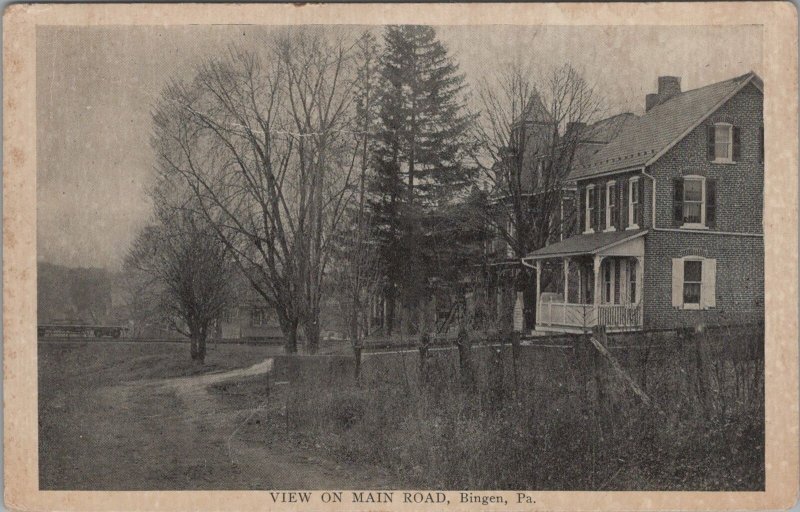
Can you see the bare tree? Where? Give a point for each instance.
(530, 131)
(188, 269)
(262, 143)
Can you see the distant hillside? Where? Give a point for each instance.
(76, 294)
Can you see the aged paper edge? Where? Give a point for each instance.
(779, 20)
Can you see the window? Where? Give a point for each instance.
(590, 205)
(693, 201)
(258, 317)
(694, 282)
(723, 142)
(608, 284)
(632, 283)
(611, 204)
(227, 316)
(633, 204)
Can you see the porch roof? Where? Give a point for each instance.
(585, 244)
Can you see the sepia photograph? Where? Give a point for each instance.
(456, 259)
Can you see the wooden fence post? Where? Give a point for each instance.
(464, 360)
(515, 353)
(599, 340)
(424, 344)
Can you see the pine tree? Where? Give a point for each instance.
(421, 146)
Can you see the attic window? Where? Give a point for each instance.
(723, 143)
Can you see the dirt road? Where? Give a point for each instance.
(99, 430)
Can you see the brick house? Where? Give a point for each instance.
(670, 218)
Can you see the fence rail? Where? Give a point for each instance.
(585, 316)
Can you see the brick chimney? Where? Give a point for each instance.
(574, 128)
(668, 86)
(650, 101)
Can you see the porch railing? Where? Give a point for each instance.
(559, 314)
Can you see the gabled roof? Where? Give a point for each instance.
(644, 139)
(584, 244)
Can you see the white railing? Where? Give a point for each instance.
(618, 316)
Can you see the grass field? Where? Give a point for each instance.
(121, 416)
(144, 417)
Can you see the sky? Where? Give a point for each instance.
(96, 87)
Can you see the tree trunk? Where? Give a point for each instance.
(193, 345)
(390, 307)
(289, 330)
(357, 356)
(312, 332)
(201, 346)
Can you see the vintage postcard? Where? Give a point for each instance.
(439, 257)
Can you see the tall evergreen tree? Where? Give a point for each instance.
(421, 147)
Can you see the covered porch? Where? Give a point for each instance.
(600, 282)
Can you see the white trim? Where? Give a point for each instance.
(701, 120)
(707, 231)
(633, 183)
(587, 217)
(609, 173)
(608, 220)
(692, 305)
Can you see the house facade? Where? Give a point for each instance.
(670, 219)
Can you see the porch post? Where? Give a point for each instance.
(598, 260)
(639, 278)
(538, 289)
(566, 280)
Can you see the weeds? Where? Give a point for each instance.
(564, 421)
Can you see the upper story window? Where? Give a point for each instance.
(591, 201)
(694, 202)
(724, 143)
(634, 214)
(611, 203)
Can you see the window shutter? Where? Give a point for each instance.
(710, 132)
(623, 204)
(677, 282)
(617, 284)
(737, 143)
(708, 286)
(711, 203)
(677, 201)
(640, 207)
(602, 210)
(582, 209)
